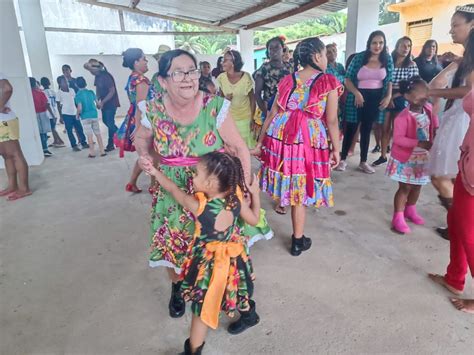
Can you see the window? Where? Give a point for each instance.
(420, 31)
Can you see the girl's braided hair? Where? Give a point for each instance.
(303, 54)
(229, 172)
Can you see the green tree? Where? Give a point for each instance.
(323, 26)
(385, 16)
(202, 44)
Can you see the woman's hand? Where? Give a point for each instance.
(229, 96)
(384, 103)
(334, 158)
(257, 150)
(146, 164)
(391, 104)
(359, 100)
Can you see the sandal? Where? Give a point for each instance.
(280, 209)
(103, 155)
(91, 156)
(132, 188)
(16, 195)
(6, 192)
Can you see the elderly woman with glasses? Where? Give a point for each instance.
(181, 126)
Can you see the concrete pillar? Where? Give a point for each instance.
(362, 19)
(12, 64)
(245, 45)
(35, 38)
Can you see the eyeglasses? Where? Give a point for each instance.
(178, 75)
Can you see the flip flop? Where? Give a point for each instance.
(6, 192)
(280, 210)
(103, 155)
(91, 156)
(16, 196)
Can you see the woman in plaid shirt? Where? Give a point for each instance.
(405, 68)
(369, 85)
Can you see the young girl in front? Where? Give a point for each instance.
(296, 152)
(413, 135)
(218, 273)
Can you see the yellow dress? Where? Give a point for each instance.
(240, 107)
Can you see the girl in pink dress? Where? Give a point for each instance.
(413, 135)
(300, 139)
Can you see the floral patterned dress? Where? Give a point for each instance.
(415, 171)
(179, 146)
(218, 273)
(296, 170)
(123, 136)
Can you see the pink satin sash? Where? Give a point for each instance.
(298, 119)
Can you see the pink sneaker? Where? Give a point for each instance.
(399, 224)
(412, 215)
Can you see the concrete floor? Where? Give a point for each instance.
(74, 277)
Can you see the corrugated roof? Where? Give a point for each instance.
(212, 11)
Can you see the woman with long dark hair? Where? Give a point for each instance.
(427, 61)
(460, 221)
(404, 69)
(453, 83)
(369, 82)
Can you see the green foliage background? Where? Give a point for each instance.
(323, 26)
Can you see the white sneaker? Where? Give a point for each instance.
(342, 166)
(366, 168)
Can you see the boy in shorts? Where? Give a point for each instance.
(86, 103)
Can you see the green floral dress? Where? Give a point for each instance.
(217, 260)
(172, 226)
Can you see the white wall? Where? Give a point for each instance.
(392, 32)
(114, 66)
(12, 64)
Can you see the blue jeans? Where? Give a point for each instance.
(71, 123)
(44, 141)
(108, 117)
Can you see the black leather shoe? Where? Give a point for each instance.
(247, 320)
(443, 233)
(299, 245)
(188, 351)
(177, 306)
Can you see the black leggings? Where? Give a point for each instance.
(366, 115)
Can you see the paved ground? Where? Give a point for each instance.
(74, 276)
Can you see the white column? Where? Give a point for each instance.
(362, 19)
(245, 45)
(12, 64)
(35, 38)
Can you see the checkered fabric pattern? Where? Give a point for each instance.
(404, 73)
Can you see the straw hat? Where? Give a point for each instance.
(93, 64)
(162, 49)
